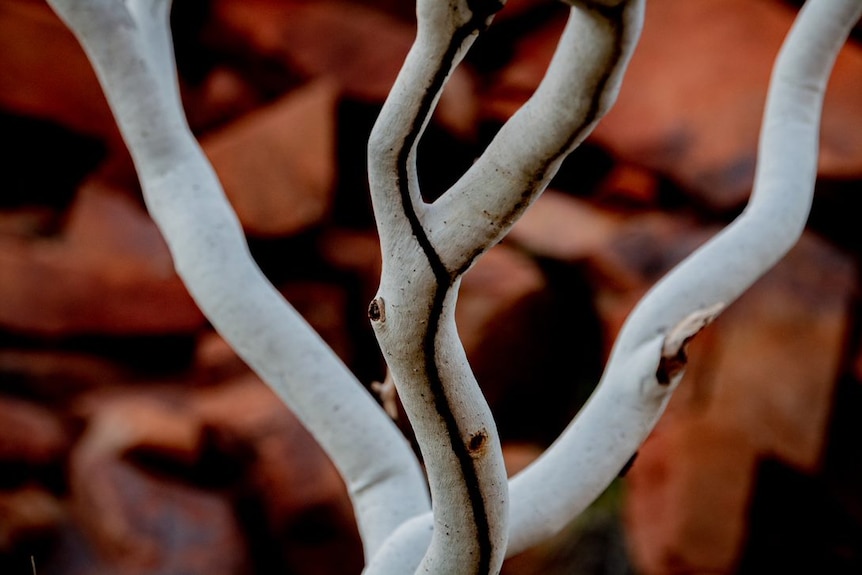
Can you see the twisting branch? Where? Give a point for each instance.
(648, 359)
(413, 312)
(637, 382)
(579, 87)
(427, 247)
(478, 518)
(128, 43)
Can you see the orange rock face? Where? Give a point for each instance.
(133, 440)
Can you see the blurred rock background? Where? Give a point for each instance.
(133, 440)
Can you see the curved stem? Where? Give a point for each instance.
(648, 358)
(580, 86)
(427, 248)
(128, 43)
(413, 312)
(633, 391)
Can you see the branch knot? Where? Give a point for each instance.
(377, 310)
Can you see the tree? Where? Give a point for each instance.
(474, 517)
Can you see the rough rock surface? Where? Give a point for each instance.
(133, 440)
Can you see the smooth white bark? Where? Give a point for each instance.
(427, 247)
(648, 358)
(478, 517)
(579, 87)
(630, 397)
(129, 44)
(413, 312)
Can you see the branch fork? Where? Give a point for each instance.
(479, 518)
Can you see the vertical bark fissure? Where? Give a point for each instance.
(444, 280)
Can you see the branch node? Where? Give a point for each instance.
(477, 442)
(673, 353)
(377, 310)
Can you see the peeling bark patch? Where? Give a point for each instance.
(477, 442)
(673, 354)
(377, 310)
(669, 366)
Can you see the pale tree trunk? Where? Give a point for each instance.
(129, 45)
(427, 247)
(479, 518)
(638, 380)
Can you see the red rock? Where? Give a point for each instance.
(360, 49)
(277, 164)
(760, 384)
(499, 290)
(640, 253)
(518, 456)
(242, 407)
(215, 360)
(125, 519)
(647, 246)
(459, 108)
(362, 53)
(625, 252)
(694, 114)
(27, 222)
(514, 85)
(223, 96)
(698, 120)
(624, 256)
(629, 185)
(290, 467)
(45, 71)
(564, 228)
(405, 11)
(305, 505)
(297, 489)
(688, 497)
(124, 421)
(516, 331)
(30, 434)
(775, 355)
(520, 8)
(498, 281)
(356, 252)
(26, 515)
(132, 522)
(57, 376)
(323, 305)
(108, 272)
